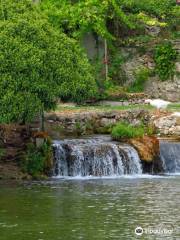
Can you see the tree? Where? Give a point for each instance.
(12, 9)
(117, 21)
(38, 65)
(78, 17)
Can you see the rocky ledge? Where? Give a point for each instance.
(168, 125)
(91, 121)
(147, 147)
(149, 152)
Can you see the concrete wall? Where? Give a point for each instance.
(94, 46)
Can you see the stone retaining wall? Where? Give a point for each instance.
(155, 88)
(167, 90)
(13, 138)
(168, 125)
(91, 122)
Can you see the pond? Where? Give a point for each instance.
(66, 209)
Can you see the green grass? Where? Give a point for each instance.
(103, 108)
(174, 107)
(124, 130)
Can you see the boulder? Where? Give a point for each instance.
(147, 147)
(168, 125)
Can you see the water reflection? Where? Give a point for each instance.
(93, 209)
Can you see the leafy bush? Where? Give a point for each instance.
(153, 7)
(38, 64)
(116, 72)
(141, 76)
(38, 160)
(78, 17)
(164, 58)
(115, 93)
(125, 130)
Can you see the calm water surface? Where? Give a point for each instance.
(90, 209)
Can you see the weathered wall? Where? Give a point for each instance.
(94, 46)
(167, 90)
(168, 125)
(13, 138)
(90, 122)
(155, 88)
(135, 61)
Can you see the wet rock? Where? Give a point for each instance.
(149, 152)
(147, 147)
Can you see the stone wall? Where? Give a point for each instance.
(167, 90)
(135, 61)
(90, 122)
(94, 46)
(155, 88)
(99, 122)
(13, 138)
(168, 125)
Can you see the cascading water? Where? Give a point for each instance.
(170, 156)
(97, 156)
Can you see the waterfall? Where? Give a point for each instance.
(170, 156)
(96, 156)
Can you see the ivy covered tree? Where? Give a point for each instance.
(38, 65)
(118, 22)
(78, 17)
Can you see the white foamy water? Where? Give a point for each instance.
(95, 157)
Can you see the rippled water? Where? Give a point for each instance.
(90, 209)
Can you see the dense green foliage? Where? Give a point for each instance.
(158, 8)
(40, 53)
(38, 65)
(84, 16)
(119, 21)
(141, 76)
(38, 160)
(125, 130)
(10, 9)
(78, 17)
(164, 58)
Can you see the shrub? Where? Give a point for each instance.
(164, 58)
(141, 76)
(37, 160)
(116, 72)
(38, 65)
(115, 93)
(104, 130)
(125, 130)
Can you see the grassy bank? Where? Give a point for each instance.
(102, 107)
(60, 108)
